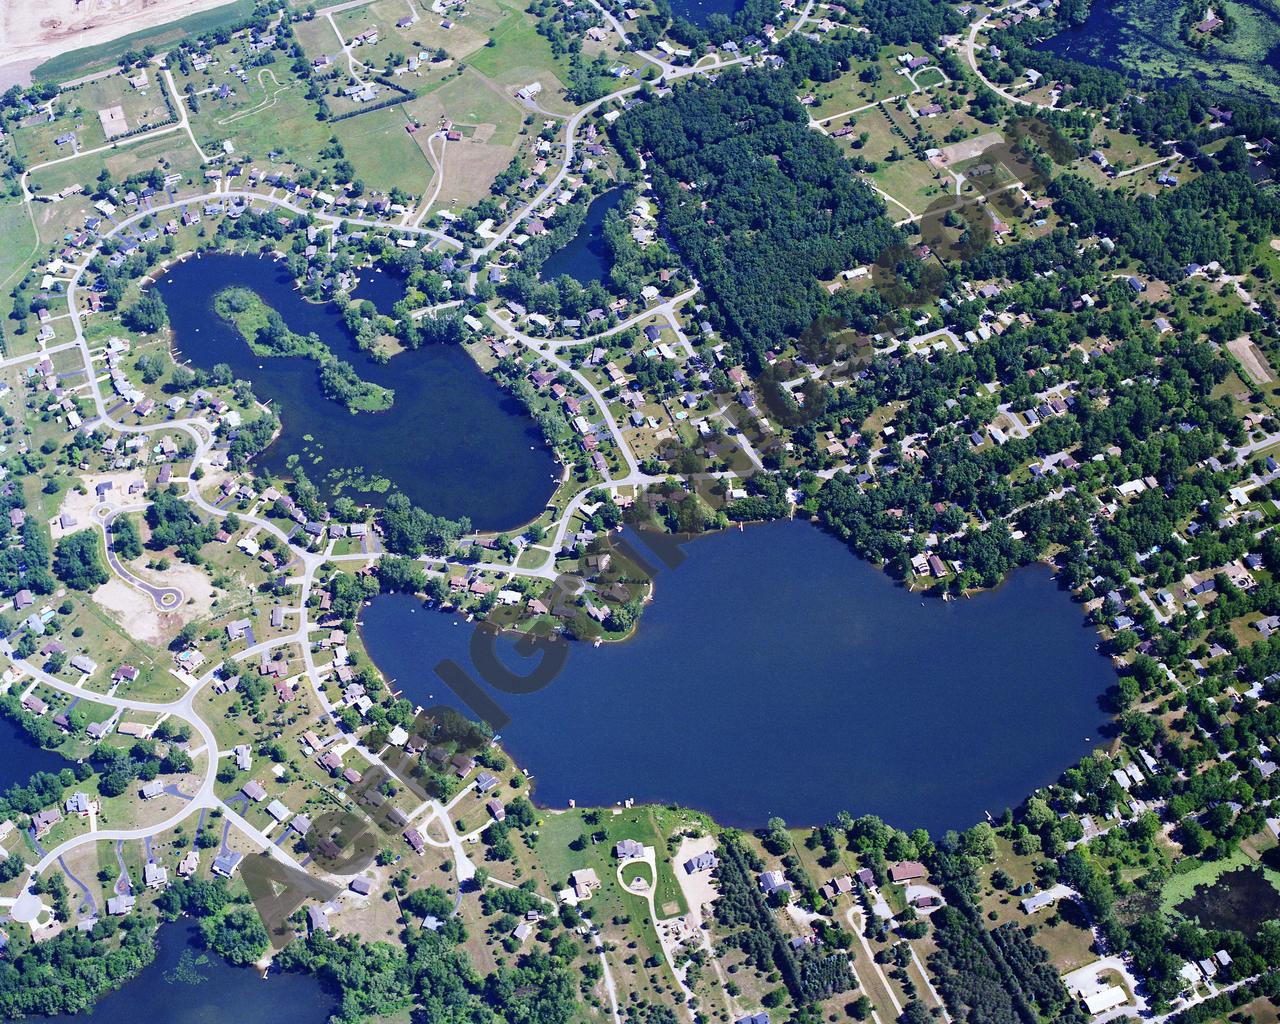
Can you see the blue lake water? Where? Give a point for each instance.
(20, 757)
(178, 989)
(776, 673)
(586, 257)
(454, 442)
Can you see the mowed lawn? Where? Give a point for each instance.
(519, 55)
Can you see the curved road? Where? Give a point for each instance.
(164, 598)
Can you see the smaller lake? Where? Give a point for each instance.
(698, 11)
(775, 673)
(454, 442)
(21, 757)
(1099, 40)
(186, 984)
(1241, 900)
(586, 257)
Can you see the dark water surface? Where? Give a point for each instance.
(586, 257)
(697, 11)
(1097, 41)
(776, 673)
(454, 442)
(1240, 900)
(21, 757)
(179, 989)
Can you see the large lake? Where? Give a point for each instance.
(776, 673)
(187, 985)
(454, 442)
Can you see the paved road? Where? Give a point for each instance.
(972, 56)
(164, 598)
(305, 563)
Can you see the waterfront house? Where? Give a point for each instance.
(906, 871)
(43, 821)
(702, 862)
(34, 704)
(156, 876)
(773, 881)
(119, 906)
(628, 849)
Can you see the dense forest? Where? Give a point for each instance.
(760, 206)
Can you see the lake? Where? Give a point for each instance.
(586, 257)
(1098, 41)
(775, 673)
(186, 984)
(697, 11)
(454, 442)
(21, 757)
(1141, 38)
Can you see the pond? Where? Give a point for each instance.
(698, 11)
(775, 673)
(21, 757)
(1240, 900)
(586, 257)
(454, 442)
(1098, 40)
(1141, 37)
(186, 984)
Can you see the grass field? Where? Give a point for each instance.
(930, 77)
(18, 247)
(171, 151)
(94, 58)
(518, 55)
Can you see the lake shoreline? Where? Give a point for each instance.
(473, 449)
(599, 699)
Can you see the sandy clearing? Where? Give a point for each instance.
(699, 888)
(34, 32)
(81, 506)
(1253, 361)
(136, 612)
(966, 150)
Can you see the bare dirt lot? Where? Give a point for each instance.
(136, 612)
(1254, 362)
(967, 149)
(37, 31)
